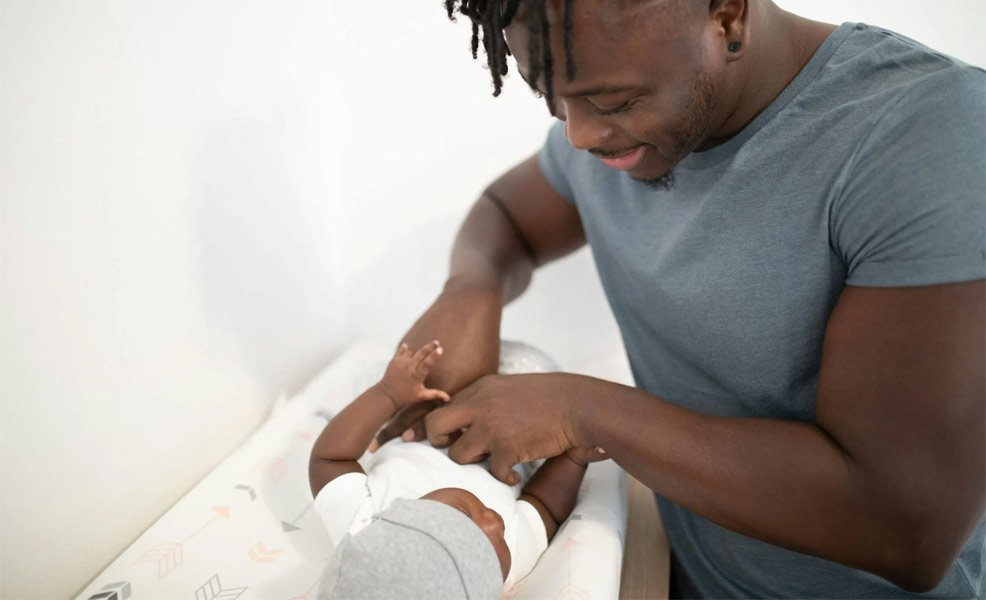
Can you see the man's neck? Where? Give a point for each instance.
(784, 44)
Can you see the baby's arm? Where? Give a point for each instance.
(553, 489)
(347, 435)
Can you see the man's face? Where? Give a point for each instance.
(647, 89)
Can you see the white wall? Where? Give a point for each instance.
(204, 200)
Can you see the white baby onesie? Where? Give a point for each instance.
(412, 469)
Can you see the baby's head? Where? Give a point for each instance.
(446, 544)
(488, 520)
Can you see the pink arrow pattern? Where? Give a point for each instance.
(259, 553)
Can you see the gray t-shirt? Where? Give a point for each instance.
(869, 170)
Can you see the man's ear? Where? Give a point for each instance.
(730, 18)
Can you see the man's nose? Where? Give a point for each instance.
(583, 128)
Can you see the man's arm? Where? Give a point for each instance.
(519, 223)
(889, 479)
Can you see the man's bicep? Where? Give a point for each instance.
(901, 390)
(547, 222)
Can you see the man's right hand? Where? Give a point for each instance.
(468, 323)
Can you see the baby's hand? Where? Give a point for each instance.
(584, 456)
(403, 382)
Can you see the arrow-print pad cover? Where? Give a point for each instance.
(245, 531)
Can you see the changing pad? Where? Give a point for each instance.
(248, 531)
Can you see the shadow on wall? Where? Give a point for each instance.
(264, 240)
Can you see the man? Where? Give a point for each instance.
(788, 220)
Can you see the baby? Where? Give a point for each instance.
(417, 525)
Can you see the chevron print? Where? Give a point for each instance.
(213, 590)
(260, 554)
(167, 556)
(571, 591)
(275, 467)
(247, 489)
(119, 590)
(289, 527)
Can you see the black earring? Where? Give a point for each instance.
(733, 46)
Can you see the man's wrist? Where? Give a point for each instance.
(475, 284)
(578, 410)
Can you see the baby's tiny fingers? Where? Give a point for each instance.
(430, 394)
(426, 357)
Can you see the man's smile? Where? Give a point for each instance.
(623, 160)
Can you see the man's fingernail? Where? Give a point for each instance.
(601, 451)
(408, 436)
(439, 350)
(373, 446)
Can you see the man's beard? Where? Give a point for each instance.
(664, 183)
(694, 130)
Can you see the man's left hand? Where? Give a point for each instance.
(512, 419)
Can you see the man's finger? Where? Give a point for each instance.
(470, 447)
(502, 468)
(404, 418)
(446, 420)
(417, 431)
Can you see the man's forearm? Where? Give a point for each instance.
(490, 253)
(785, 483)
(489, 268)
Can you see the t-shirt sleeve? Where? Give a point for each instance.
(912, 210)
(345, 505)
(555, 159)
(527, 543)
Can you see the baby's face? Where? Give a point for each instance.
(483, 516)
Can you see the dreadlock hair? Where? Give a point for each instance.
(493, 16)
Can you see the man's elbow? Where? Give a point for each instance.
(923, 557)
(917, 578)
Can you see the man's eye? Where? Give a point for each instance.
(612, 111)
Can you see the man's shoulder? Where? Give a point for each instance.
(876, 67)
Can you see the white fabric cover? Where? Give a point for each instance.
(247, 530)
